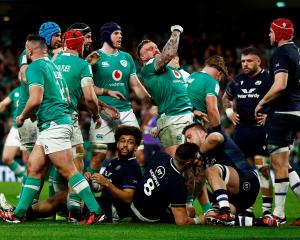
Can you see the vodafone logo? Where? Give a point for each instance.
(176, 74)
(117, 75)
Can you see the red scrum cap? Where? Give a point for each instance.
(73, 39)
(283, 29)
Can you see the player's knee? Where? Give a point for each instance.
(99, 148)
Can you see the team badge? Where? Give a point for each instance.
(124, 63)
(117, 75)
(17, 94)
(160, 172)
(118, 167)
(176, 74)
(105, 64)
(246, 186)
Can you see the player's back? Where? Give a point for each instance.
(162, 185)
(73, 69)
(286, 59)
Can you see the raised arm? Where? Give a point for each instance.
(170, 49)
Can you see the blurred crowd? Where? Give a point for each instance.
(193, 51)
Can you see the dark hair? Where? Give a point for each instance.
(186, 152)
(82, 27)
(141, 44)
(251, 50)
(35, 37)
(191, 126)
(129, 130)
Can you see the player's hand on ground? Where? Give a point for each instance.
(92, 58)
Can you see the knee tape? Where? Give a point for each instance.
(277, 149)
(78, 151)
(100, 148)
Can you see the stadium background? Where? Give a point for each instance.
(210, 27)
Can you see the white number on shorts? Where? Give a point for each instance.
(148, 187)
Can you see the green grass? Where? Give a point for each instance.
(48, 229)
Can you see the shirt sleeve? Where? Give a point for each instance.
(280, 63)
(230, 89)
(86, 70)
(132, 65)
(212, 88)
(35, 76)
(179, 196)
(132, 177)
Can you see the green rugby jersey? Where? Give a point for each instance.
(54, 107)
(73, 69)
(201, 85)
(166, 86)
(112, 72)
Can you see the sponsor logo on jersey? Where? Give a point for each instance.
(176, 74)
(124, 63)
(160, 172)
(251, 90)
(248, 93)
(105, 64)
(99, 136)
(117, 75)
(258, 82)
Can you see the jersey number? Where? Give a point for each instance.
(61, 90)
(148, 187)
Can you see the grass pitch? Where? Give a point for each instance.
(49, 229)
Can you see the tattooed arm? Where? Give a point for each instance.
(170, 49)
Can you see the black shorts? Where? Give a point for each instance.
(249, 189)
(282, 129)
(251, 140)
